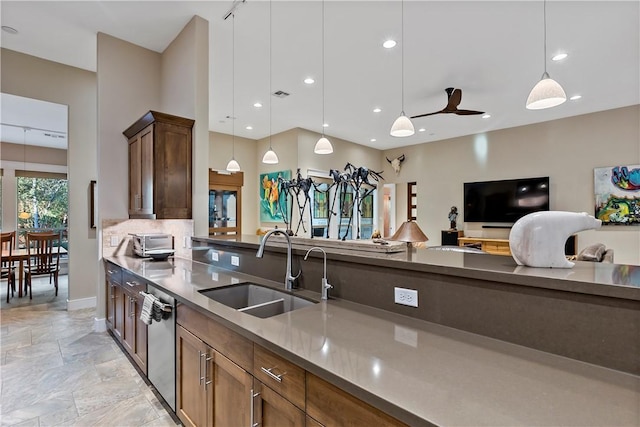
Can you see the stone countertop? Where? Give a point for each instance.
(611, 280)
(419, 372)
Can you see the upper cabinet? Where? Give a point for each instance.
(160, 148)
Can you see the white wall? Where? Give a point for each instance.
(26, 75)
(566, 150)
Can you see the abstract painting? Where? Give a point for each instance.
(272, 201)
(617, 193)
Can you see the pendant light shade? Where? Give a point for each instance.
(323, 146)
(233, 165)
(402, 126)
(546, 93)
(270, 157)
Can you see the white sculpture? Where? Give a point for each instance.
(538, 239)
(395, 163)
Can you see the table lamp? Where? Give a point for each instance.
(409, 232)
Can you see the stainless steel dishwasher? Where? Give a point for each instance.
(161, 350)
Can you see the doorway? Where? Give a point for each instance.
(388, 210)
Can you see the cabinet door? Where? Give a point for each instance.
(232, 395)
(192, 406)
(140, 336)
(119, 304)
(141, 172)
(129, 327)
(273, 410)
(172, 152)
(111, 306)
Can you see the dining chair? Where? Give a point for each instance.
(7, 267)
(43, 258)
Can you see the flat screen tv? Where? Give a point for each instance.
(505, 201)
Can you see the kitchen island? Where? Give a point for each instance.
(419, 372)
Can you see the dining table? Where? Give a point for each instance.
(21, 255)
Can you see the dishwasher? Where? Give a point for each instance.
(161, 349)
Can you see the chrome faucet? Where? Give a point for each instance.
(325, 284)
(289, 279)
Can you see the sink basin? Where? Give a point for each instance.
(257, 300)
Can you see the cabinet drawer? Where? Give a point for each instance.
(224, 340)
(279, 374)
(113, 272)
(133, 284)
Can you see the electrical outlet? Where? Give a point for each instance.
(214, 276)
(114, 241)
(214, 256)
(406, 296)
(235, 261)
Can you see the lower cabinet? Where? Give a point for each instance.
(211, 389)
(225, 380)
(124, 304)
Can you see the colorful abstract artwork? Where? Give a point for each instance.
(272, 201)
(617, 192)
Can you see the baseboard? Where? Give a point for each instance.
(99, 325)
(79, 304)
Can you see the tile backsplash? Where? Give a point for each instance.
(116, 234)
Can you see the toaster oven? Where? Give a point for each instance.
(150, 244)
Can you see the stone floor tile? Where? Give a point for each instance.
(163, 421)
(115, 368)
(59, 417)
(33, 351)
(134, 411)
(33, 422)
(105, 394)
(35, 405)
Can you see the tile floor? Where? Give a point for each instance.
(55, 371)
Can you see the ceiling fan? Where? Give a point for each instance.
(454, 98)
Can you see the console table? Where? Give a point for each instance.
(492, 246)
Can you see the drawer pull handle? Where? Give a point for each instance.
(271, 374)
(132, 284)
(200, 356)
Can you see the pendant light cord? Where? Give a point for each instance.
(402, 54)
(544, 12)
(270, 53)
(233, 86)
(323, 81)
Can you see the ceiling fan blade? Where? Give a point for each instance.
(467, 112)
(454, 100)
(428, 114)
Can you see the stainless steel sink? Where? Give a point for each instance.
(257, 300)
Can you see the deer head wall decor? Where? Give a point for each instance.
(395, 163)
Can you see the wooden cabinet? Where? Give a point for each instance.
(160, 150)
(215, 385)
(124, 304)
(211, 389)
(331, 406)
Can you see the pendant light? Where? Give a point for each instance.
(233, 165)
(24, 214)
(402, 127)
(270, 157)
(323, 146)
(547, 92)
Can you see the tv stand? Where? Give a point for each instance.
(497, 226)
(492, 246)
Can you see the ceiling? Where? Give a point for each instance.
(492, 50)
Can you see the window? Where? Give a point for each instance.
(43, 203)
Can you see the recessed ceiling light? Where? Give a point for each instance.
(309, 81)
(376, 110)
(257, 105)
(8, 29)
(389, 44)
(559, 57)
(575, 97)
(249, 127)
(372, 140)
(421, 130)
(325, 125)
(486, 116)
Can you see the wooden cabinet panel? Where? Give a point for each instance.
(312, 423)
(492, 246)
(224, 340)
(332, 406)
(281, 375)
(160, 166)
(192, 403)
(129, 323)
(140, 339)
(119, 304)
(273, 410)
(232, 395)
